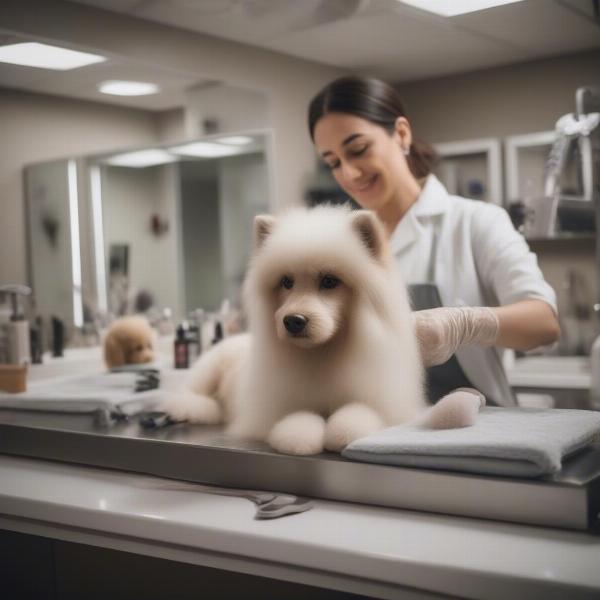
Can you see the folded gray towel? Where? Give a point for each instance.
(520, 442)
(109, 394)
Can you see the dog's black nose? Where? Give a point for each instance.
(295, 324)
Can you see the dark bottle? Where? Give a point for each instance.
(181, 349)
(35, 343)
(218, 333)
(58, 337)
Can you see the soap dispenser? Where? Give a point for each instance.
(18, 327)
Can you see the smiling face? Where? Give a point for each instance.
(368, 162)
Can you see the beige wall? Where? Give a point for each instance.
(170, 125)
(231, 108)
(200, 234)
(130, 198)
(51, 252)
(243, 193)
(510, 100)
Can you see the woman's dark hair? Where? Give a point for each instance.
(375, 101)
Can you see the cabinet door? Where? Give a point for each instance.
(89, 573)
(525, 160)
(26, 567)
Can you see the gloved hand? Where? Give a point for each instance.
(441, 331)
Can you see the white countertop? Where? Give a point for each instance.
(364, 549)
(558, 372)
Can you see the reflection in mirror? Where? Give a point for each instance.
(54, 247)
(161, 231)
(172, 226)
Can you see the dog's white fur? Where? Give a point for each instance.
(354, 370)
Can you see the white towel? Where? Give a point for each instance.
(109, 394)
(520, 442)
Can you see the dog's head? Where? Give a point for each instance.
(129, 340)
(308, 267)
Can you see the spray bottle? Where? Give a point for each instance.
(18, 327)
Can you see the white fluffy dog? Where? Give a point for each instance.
(331, 355)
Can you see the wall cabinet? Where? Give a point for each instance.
(525, 160)
(511, 172)
(471, 168)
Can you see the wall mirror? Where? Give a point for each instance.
(53, 242)
(161, 230)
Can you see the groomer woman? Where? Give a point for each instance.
(456, 253)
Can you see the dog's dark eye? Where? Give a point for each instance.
(139, 348)
(328, 282)
(286, 282)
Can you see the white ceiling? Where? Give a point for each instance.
(382, 38)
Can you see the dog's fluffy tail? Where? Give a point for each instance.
(457, 409)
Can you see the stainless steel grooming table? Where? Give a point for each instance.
(569, 499)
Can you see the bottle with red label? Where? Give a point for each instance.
(181, 348)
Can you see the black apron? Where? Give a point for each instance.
(445, 378)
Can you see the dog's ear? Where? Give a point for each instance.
(114, 354)
(263, 225)
(370, 231)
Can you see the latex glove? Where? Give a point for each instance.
(441, 331)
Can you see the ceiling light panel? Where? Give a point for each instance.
(205, 150)
(451, 8)
(141, 158)
(236, 140)
(128, 88)
(43, 56)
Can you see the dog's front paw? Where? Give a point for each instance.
(187, 406)
(350, 423)
(300, 433)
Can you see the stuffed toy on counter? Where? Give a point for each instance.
(129, 341)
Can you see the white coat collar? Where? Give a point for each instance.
(433, 200)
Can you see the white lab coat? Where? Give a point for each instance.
(471, 250)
